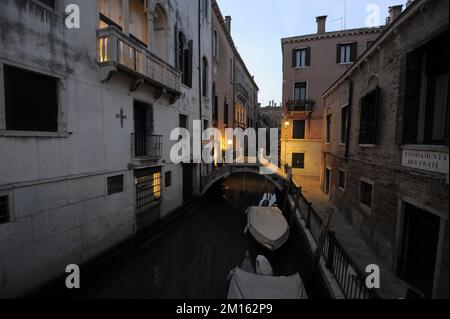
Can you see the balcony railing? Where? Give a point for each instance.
(242, 92)
(300, 106)
(146, 146)
(124, 54)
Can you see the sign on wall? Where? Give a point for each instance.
(426, 161)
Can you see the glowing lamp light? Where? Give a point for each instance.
(287, 123)
(230, 142)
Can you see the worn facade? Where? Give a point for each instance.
(234, 89)
(85, 122)
(385, 147)
(311, 63)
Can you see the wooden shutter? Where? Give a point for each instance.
(308, 57)
(354, 52)
(412, 97)
(294, 58)
(338, 53)
(368, 129)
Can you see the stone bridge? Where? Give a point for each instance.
(227, 170)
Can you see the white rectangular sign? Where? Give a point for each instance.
(426, 161)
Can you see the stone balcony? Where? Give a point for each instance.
(119, 53)
(300, 106)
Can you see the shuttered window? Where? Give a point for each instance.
(4, 209)
(346, 53)
(369, 118)
(301, 57)
(298, 130)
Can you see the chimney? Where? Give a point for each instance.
(395, 12)
(321, 21)
(228, 23)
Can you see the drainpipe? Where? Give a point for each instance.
(349, 116)
(200, 95)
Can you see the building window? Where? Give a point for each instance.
(300, 91)
(215, 45)
(205, 8)
(298, 160)
(328, 130)
(148, 189)
(205, 124)
(342, 179)
(346, 53)
(301, 58)
(366, 194)
(225, 112)
(327, 181)
(183, 121)
(204, 77)
(37, 109)
(184, 58)
(298, 130)
(369, 44)
(368, 128)
(111, 14)
(115, 184)
(138, 25)
(4, 209)
(426, 101)
(231, 70)
(344, 125)
(168, 179)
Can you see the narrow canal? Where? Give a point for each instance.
(192, 258)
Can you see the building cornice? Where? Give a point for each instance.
(331, 35)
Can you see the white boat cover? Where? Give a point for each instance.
(268, 226)
(245, 285)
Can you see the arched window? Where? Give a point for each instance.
(205, 77)
(184, 58)
(160, 31)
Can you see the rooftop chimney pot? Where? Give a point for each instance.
(228, 23)
(395, 12)
(321, 22)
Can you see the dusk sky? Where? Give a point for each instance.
(258, 26)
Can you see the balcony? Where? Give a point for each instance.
(119, 53)
(146, 146)
(242, 93)
(300, 106)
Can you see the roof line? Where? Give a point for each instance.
(219, 15)
(409, 11)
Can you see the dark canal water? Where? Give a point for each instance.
(194, 255)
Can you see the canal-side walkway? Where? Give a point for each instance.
(361, 253)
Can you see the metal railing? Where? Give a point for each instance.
(242, 91)
(350, 278)
(116, 48)
(300, 106)
(146, 146)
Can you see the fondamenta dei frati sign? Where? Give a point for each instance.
(435, 162)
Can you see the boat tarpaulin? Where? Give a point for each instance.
(245, 285)
(268, 226)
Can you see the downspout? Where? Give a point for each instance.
(349, 116)
(200, 95)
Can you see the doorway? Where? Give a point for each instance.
(419, 251)
(326, 187)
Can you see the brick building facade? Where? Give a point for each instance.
(385, 147)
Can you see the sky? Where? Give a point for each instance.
(258, 25)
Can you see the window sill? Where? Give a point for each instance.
(300, 67)
(430, 148)
(365, 208)
(342, 144)
(346, 63)
(34, 134)
(341, 189)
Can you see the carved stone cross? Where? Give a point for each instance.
(122, 117)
